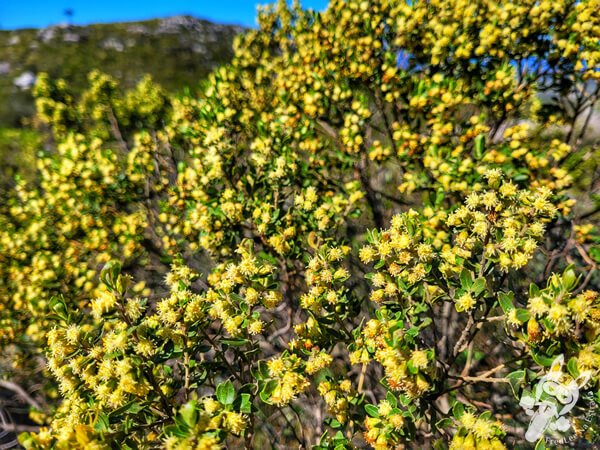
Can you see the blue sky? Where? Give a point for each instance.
(42, 13)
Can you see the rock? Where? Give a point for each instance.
(25, 81)
(46, 34)
(113, 44)
(137, 29)
(199, 48)
(176, 23)
(71, 37)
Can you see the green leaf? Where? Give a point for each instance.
(372, 410)
(594, 252)
(569, 278)
(439, 197)
(226, 393)
(534, 291)
(235, 342)
(444, 423)
(486, 415)
(521, 177)
(267, 390)
(333, 423)
(542, 360)
(262, 371)
(58, 305)
(379, 264)
(131, 407)
(466, 279)
(439, 444)
(523, 315)
(246, 403)
(340, 441)
(516, 379)
(268, 258)
(102, 423)
(541, 444)
(174, 430)
(458, 410)
(572, 367)
(109, 274)
(410, 226)
(478, 286)
(189, 413)
(413, 332)
(391, 399)
(405, 400)
(411, 368)
(478, 146)
(506, 301)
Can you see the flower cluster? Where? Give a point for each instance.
(505, 221)
(349, 211)
(556, 314)
(289, 381)
(385, 425)
(338, 395)
(325, 279)
(477, 432)
(407, 368)
(405, 253)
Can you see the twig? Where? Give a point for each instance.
(586, 281)
(17, 428)
(116, 130)
(481, 378)
(14, 387)
(464, 336)
(467, 367)
(361, 378)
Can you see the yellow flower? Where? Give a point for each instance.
(425, 252)
(508, 189)
(473, 200)
(480, 228)
(367, 254)
(235, 422)
(490, 200)
(483, 429)
(419, 359)
(255, 327)
(465, 302)
(276, 366)
(537, 306)
(384, 408)
(318, 361)
(468, 420)
(396, 421)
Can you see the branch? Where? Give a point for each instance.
(481, 378)
(114, 124)
(16, 428)
(589, 213)
(462, 340)
(14, 387)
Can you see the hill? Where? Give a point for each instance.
(177, 51)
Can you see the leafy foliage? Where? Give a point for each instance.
(357, 214)
(176, 51)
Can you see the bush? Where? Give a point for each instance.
(367, 226)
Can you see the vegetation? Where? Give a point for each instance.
(367, 230)
(177, 52)
(17, 157)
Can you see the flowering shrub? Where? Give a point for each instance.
(338, 243)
